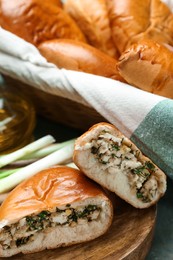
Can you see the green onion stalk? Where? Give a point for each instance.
(11, 178)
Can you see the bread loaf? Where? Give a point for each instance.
(106, 156)
(56, 207)
(79, 56)
(148, 66)
(132, 20)
(92, 18)
(36, 21)
(56, 2)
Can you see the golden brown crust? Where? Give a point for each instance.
(92, 18)
(56, 2)
(37, 21)
(79, 56)
(50, 188)
(131, 21)
(148, 66)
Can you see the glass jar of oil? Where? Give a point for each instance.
(17, 120)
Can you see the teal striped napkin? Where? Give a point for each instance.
(154, 135)
(145, 118)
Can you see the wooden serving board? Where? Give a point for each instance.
(129, 238)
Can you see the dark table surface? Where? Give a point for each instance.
(162, 246)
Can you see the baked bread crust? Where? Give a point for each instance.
(92, 18)
(131, 21)
(148, 65)
(36, 21)
(78, 56)
(57, 187)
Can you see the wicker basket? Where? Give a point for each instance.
(56, 108)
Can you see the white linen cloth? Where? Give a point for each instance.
(133, 111)
(116, 101)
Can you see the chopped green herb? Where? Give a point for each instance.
(87, 210)
(139, 195)
(115, 147)
(82, 214)
(139, 170)
(36, 222)
(142, 171)
(31, 223)
(43, 215)
(150, 166)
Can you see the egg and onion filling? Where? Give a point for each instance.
(115, 154)
(24, 231)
